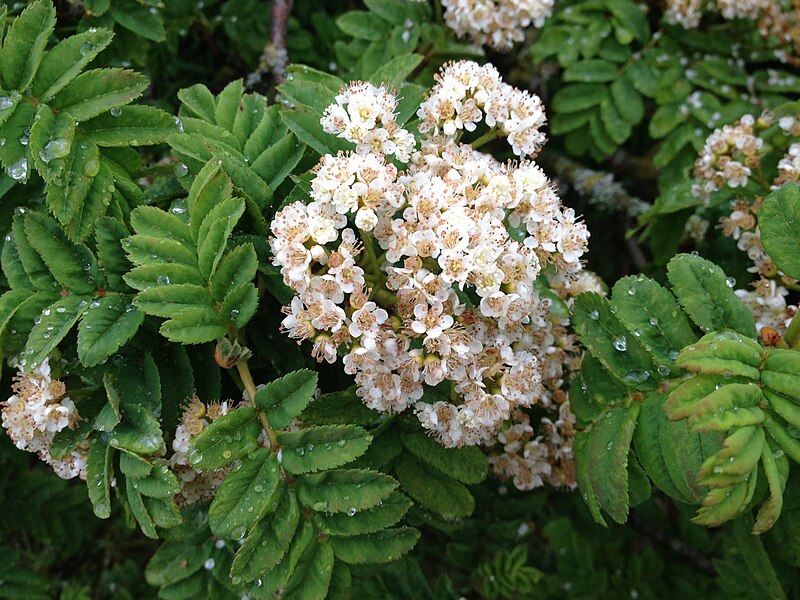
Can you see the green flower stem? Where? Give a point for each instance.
(247, 379)
(487, 137)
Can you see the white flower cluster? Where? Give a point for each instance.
(767, 301)
(196, 485)
(424, 280)
(466, 93)
(728, 157)
(37, 411)
(365, 115)
(496, 23)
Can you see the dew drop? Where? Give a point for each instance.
(116, 111)
(162, 280)
(620, 343)
(18, 170)
(209, 564)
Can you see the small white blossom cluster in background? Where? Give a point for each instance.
(466, 93)
(728, 157)
(365, 115)
(780, 20)
(742, 9)
(495, 23)
(599, 188)
(424, 279)
(767, 301)
(196, 485)
(789, 165)
(37, 411)
(686, 13)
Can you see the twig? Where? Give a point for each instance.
(280, 15)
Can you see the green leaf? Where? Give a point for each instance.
(630, 16)
(52, 326)
(130, 126)
(578, 97)
(212, 237)
(67, 59)
(467, 465)
(285, 398)
(731, 405)
(246, 495)
(312, 575)
(50, 141)
(139, 510)
(386, 514)
(591, 71)
(268, 541)
(175, 561)
(228, 438)
(434, 490)
(776, 479)
(602, 460)
(396, 70)
(670, 453)
(109, 323)
(134, 466)
(80, 273)
(665, 119)
(611, 343)
(703, 291)
(383, 546)
(152, 221)
(278, 161)
(199, 100)
(341, 490)
(228, 104)
(236, 268)
(95, 92)
(627, 100)
(363, 25)
(323, 447)
(160, 483)
(779, 223)
(140, 20)
(780, 372)
(618, 129)
(723, 353)
(25, 43)
(99, 472)
(646, 307)
(306, 127)
(65, 199)
(278, 577)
